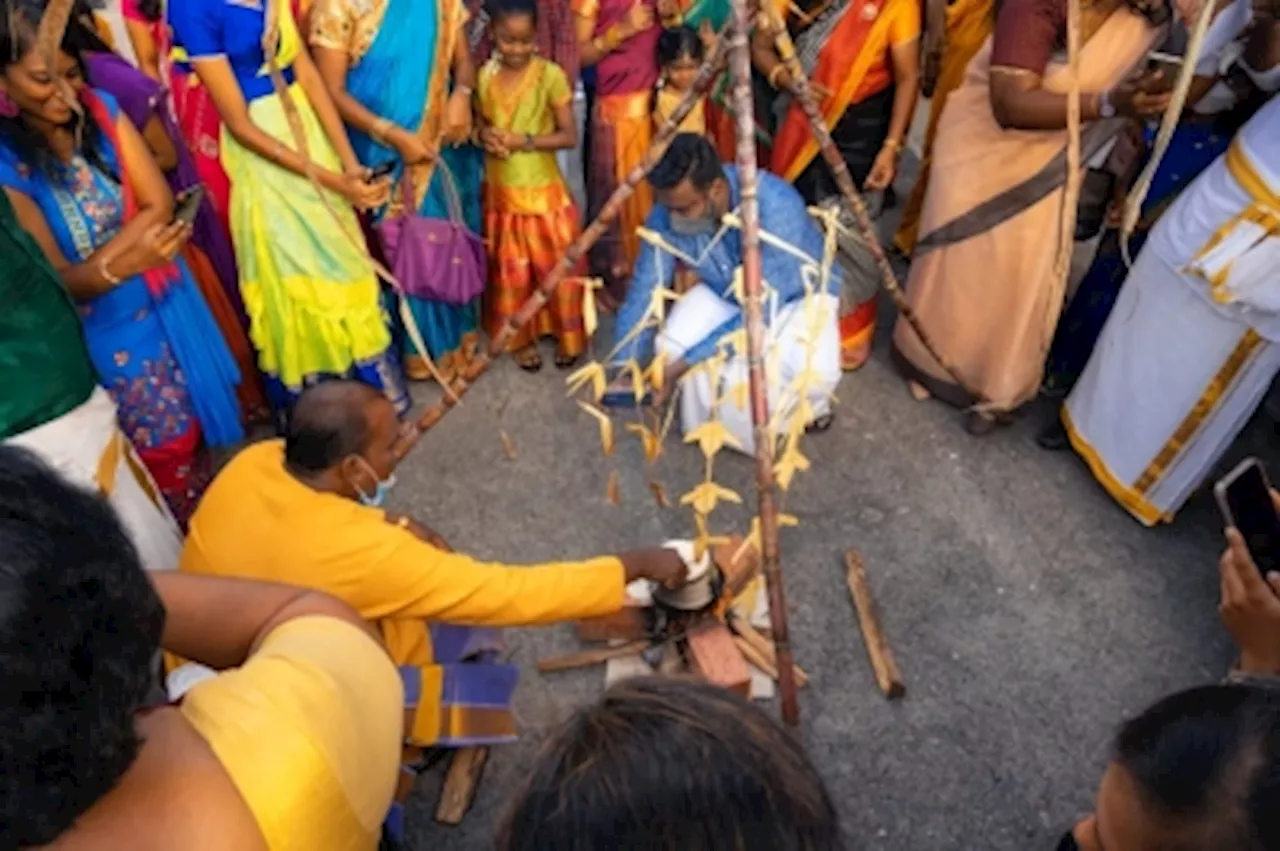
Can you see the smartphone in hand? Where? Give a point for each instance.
(188, 206)
(1244, 497)
(380, 171)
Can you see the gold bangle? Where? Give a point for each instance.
(105, 271)
(892, 145)
(612, 39)
(774, 74)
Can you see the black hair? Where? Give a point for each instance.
(152, 10)
(680, 42)
(1206, 764)
(690, 156)
(327, 424)
(80, 627)
(498, 9)
(662, 764)
(17, 39)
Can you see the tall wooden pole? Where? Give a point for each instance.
(466, 377)
(753, 310)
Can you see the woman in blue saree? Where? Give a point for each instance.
(402, 90)
(86, 188)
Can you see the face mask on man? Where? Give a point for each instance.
(703, 225)
(379, 495)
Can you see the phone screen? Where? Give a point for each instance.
(1249, 501)
(188, 206)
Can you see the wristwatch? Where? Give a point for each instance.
(528, 142)
(1106, 109)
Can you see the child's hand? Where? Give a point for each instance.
(491, 141)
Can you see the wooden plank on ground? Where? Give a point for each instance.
(887, 674)
(715, 657)
(763, 649)
(460, 784)
(592, 657)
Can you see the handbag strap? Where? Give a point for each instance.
(453, 198)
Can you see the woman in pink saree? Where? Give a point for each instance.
(983, 280)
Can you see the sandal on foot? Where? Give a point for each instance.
(528, 359)
(563, 361)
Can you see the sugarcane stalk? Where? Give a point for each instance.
(840, 171)
(753, 319)
(467, 376)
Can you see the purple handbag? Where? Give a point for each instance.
(434, 259)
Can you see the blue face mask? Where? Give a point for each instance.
(379, 495)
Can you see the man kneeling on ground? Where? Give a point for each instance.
(693, 222)
(307, 511)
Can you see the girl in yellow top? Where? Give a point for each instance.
(680, 52)
(526, 115)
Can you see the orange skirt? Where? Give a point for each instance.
(621, 131)
(523, 249)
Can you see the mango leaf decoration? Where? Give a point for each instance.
(791, 462)
(704, 540)
(593, 374)
(737, 342)
(607, 442)
(706, 496)
(711, 437)
(637, 379)
(651, 442)
(658, 302)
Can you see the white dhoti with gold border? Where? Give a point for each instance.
(86, 447)
(1193, 342)
(802, 338)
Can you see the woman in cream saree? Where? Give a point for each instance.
(983, 282)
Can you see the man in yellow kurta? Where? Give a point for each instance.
(306, 511)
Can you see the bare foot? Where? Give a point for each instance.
(855, 358)
(918, 391)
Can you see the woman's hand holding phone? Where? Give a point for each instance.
(1250, 606)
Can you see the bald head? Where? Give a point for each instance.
(331, 421)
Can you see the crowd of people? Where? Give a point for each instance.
(201, 198)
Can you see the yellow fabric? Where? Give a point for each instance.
(309, 288)
(1261, 212)
(1135, 503)
(257, 521)
(526, 108)
(309, 730)
(667, 101)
